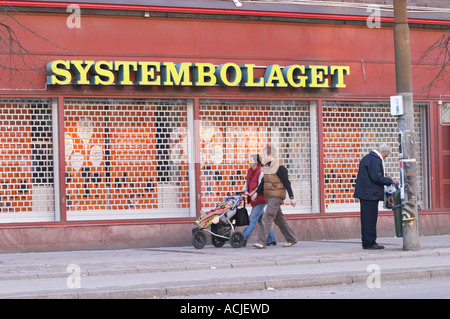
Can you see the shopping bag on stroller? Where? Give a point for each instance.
(241, 217)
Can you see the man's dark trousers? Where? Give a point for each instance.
(369, 216)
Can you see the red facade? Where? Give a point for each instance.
(121, 35)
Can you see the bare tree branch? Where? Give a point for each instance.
(15, 58)
(437, 57)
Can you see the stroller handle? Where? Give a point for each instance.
(243, 196)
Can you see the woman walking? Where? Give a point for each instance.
(254, 177)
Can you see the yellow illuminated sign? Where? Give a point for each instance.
(142, 73)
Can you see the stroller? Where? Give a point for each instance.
(223, 220)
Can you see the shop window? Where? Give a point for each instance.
(41, 140)
(445, 113)
(231, 131)
(126, 158)
(26, 158)
(350, 131)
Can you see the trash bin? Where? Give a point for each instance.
(397, 209)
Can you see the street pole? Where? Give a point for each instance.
(403, 75)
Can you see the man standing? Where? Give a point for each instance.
(369, 189)
(274, 184)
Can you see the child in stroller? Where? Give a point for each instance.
(222, 219)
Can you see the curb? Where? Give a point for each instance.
(249, 285)
(300, 261)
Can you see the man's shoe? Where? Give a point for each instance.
(289, 244)
(376, 247)
(274, 243)
(259, 246)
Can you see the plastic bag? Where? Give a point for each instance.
(389, 196)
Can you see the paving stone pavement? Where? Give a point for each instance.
(176, 271)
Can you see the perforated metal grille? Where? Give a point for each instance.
(233, 130)
(350, 131)
(445, 113)
(26, 156)
(126, 155)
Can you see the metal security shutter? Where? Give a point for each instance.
(126, 158)
(445, 113)
(26, 158)
(350, 131)
(232, 130)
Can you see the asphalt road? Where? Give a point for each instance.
(438, 288)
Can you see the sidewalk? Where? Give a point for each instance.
(176, 271)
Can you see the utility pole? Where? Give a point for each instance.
(408, 162)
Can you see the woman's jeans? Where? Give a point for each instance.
(255, 217)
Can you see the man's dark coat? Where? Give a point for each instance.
(370, 179)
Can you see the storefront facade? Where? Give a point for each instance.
(119, 138)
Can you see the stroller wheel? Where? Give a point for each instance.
(237, 239)
(217, 241)
(199, 239)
